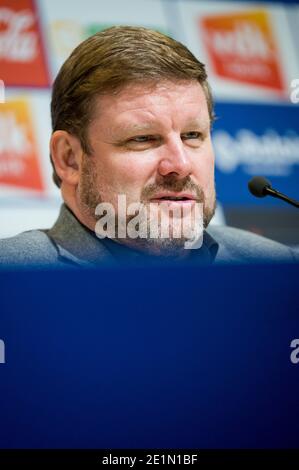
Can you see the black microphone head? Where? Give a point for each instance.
(257, 186)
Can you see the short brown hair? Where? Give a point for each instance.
(107, 62)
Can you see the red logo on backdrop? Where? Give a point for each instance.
(241, 47)
(22, 58)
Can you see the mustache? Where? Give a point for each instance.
(175, 185)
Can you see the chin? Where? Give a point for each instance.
(163, 246)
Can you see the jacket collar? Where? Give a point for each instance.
(77, 243)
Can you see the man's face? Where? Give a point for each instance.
(148, 144)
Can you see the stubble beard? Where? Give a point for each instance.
(89, 197)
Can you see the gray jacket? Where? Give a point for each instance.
(69, 244)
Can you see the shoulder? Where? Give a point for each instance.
(238, 245)
(32, 247)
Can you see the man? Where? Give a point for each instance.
(132, 113)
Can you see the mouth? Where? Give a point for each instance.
(174, 198)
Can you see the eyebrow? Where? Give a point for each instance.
(152, 126)
(149, 125)
(136, 127)
(199, 123)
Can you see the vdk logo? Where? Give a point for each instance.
(242, 47)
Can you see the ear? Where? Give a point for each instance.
(66, 152)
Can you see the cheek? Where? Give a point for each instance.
(124, 174)
(210, 180)
(204, 167)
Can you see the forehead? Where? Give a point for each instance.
(142, 105)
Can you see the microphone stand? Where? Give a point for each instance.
(272, 192)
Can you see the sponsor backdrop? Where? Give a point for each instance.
(251, 53)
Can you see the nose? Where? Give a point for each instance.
(175, 160)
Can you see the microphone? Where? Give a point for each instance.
(261, 187)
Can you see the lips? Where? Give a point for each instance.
(174, 197)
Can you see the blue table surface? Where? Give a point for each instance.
(150, 358)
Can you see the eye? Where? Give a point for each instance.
(142, 142)
(142, 138)
(193, 139)
(191, 135)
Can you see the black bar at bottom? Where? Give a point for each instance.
(133, 458)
